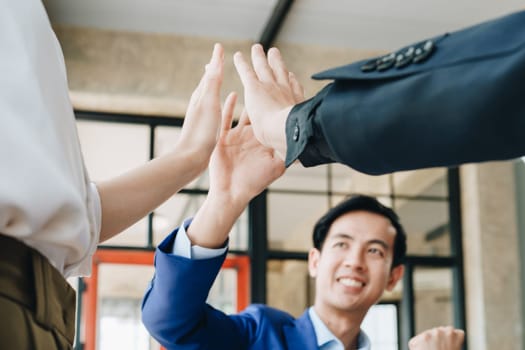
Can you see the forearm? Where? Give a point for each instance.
(175, 304)
(419, 122)
(214, 220)
(453, 108)
(129, 197)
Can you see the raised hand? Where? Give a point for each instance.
(240, 168)
(270, 92)
(203, 116)
(162, 177)
(439, 338)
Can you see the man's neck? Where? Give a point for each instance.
(344, 325)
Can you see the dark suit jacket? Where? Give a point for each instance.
(175, 312)
(463, 102)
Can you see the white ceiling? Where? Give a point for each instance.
(360, 24)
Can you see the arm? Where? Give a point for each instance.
(462, 104)
(131, 196)
(440, 338)
(174, 309)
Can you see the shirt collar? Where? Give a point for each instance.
(325, 336)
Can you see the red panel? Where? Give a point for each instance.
(105, 256)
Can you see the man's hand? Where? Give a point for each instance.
(270, 92)
(439, 338)
(240, 168)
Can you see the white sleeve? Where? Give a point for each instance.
(94, 212)
(182, 246)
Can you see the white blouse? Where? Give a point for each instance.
(46, 199)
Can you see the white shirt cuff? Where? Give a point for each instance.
(182, 246)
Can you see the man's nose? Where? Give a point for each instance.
(355, 258)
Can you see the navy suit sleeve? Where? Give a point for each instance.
(174, 308)
(464, 103)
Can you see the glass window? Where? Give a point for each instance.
(120, 291)
(294, 203)
(427, 226)
(336, 199)
(380, 324)
(290, 287)
(173, 212)
(298, 177)
(223, 293)
(110, 149)
(291, 218)
(121, 326)
(425, 182)
(180, 207)
(433, 298)
(134, 236)
(347, 180)
(165, 140)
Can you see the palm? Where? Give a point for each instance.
(270, 91)
(241, 166)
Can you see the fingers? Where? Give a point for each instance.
(438, 338)
(227, 112)
(449, 331)
(260, 64)
(297, 88)
(244, 119)
(212, 78)
(271, 69)
(244, 70)
(276, 62)
(457, 335)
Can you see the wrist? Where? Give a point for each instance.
(213, 222)
(197, 158)
(277, 138)
(226, 204)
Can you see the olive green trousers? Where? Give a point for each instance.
(37, 305)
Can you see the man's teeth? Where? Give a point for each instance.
(350, 282)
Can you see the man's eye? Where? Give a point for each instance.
(340, 245)
(376, 251)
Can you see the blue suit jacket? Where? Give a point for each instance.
(175, 312)
(464, 102)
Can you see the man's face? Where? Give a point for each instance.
(354, 266)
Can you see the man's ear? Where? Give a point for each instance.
(395, 275)
(313, 261)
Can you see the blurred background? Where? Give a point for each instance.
(132, 65)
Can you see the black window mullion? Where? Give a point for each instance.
(456, 246)
(151, 156)
(258, 246)
(407, 324)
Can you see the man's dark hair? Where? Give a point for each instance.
(365, 203)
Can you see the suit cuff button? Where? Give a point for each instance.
(296, 133)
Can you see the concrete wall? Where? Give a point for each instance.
(491, 253)
(155, 73)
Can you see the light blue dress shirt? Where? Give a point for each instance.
(326, 340)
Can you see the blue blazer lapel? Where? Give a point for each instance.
(300, 334)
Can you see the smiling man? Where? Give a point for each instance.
(359, 247)
(358, 251)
